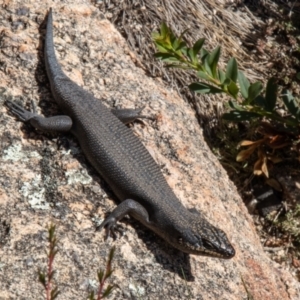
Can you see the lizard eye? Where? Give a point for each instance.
(208, 245)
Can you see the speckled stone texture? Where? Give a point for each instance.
(45, 178)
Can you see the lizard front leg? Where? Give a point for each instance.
(128, 206)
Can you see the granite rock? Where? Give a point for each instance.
(44, 178)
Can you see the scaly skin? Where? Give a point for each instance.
(125, 164)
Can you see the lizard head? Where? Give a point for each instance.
(202, 238)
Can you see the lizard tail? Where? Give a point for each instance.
(52, 66)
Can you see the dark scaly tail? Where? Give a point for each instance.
(52, 66)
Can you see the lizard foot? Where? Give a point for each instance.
(111, 226)
(23, 114)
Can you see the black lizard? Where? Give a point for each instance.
(122, 160)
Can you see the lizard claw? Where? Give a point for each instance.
(111, 227)
(23, 114)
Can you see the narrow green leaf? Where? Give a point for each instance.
(244, 84)
(198, 45)
(233, 89)
(191, 54)
(91, 296)
(42, 278)
(184, 51)
(164, 29)
(155, 35)
(163, 42)
(213, 60)
(238, 116)
(260, 101)
(235, 106)
(226, 82)
(166, 57)
(170, 60)
(161, 48)
(231, 104)
(203, 75)
(107, 291)
(51, 232)
(178, 66)
(271, 94)
(254, 90)
(174, 42)
(182, 34)
(204, 88)
(232, 69)
(100, 275)
(203, 54)
(291, 104)
(292, 124)
(222, 76)
(108, 274)
(207, 65)
(54, 293)
(180, 46)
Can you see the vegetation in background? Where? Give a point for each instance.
(290, 223)
(269, 116)
(247, 101)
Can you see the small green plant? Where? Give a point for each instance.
(248, 101)
(290, 223)
(102, 277)
(46, 278)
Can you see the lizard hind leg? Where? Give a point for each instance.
(23, 114)
(55, 123)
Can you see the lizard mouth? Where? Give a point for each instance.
(207, 248)
(220, 250)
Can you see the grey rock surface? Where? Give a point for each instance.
(45, 178)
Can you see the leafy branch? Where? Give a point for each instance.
(248, 101)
